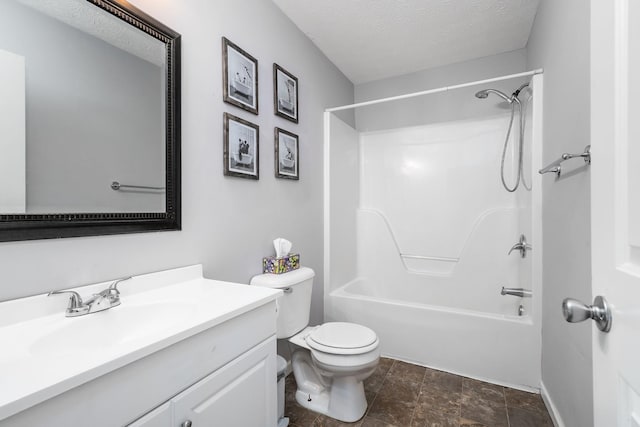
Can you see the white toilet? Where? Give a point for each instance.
(330, 361)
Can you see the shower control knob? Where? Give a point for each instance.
(187, 423)
(521, 246)
(575, 311)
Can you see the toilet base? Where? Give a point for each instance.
(341, 398)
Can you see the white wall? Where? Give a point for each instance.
(228, 223)
(559, 42)
(441, 107)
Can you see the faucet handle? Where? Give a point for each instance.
(114, 285)
(75, 301)
(517, 246)
(521, 246)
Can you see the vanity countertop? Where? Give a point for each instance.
(45, 353)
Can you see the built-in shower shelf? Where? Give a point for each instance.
(429, 264)
(556, 166)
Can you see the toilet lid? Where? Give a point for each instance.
(342, 337)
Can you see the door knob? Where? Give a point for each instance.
(576, 311)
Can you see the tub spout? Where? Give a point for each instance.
(516, 292)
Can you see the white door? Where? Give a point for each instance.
(615, 207)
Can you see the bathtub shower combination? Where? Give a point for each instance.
(433, 226)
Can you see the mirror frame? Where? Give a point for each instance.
(15, 227)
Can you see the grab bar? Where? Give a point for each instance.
(516, 292)
(115, 186)
(556, 166)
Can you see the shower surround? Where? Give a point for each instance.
(417, 230)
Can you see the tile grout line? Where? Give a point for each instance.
(369, 405)
(460, 404)
(424, 376)
(461, 398)
(506, 407)
(366, 414)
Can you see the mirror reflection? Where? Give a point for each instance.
(82, 105)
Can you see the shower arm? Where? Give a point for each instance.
(517, 92)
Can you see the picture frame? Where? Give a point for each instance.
(241, 148)
(239, 77)
(285, 94)
(287, 154)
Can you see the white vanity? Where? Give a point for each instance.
(180, 350)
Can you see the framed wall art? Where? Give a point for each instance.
(241, 148)
(287, 155)
(285, 94)
(239, 77)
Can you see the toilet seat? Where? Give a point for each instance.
(342, 338)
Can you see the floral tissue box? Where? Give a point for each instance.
(281, 265)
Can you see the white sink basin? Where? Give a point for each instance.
(117, 326)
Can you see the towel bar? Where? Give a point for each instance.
(556, 166)
(115, 186)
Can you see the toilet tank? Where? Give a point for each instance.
(294, 306)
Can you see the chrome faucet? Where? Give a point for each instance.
(521, 246)
(104, 300)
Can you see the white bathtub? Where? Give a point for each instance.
(502, 349)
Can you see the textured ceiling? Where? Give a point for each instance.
(374, 39)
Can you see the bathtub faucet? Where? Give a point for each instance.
(521, 246)
(516, 292)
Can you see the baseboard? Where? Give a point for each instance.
(551, 408)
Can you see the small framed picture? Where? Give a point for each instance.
(285, 94)
(287, 156)
(239, 77)
(241, 147)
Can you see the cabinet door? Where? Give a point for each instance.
(159, 417)
(240, 394)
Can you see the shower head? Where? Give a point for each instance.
(483, 94)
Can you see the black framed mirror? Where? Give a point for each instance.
(89, 118)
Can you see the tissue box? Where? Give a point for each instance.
(281, 265)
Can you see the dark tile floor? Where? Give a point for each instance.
(405, 395)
